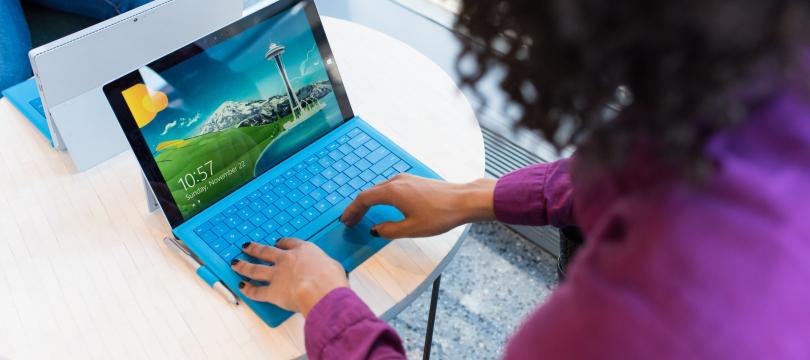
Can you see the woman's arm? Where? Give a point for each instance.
(341, 326)
(537, 195)
(540, 194)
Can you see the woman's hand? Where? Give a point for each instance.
(431, 207)
(301, 275)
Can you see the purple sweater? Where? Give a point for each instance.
(669, 271)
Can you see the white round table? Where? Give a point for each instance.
(84, 272)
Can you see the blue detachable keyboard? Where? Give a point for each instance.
(288, 202)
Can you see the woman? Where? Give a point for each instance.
(15, 40)
(692, 187)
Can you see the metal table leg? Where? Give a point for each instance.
(434, 299)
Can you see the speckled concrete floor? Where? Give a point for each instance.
(495, 280)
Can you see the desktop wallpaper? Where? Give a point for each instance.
(222, 117)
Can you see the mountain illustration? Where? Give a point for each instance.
(233, 114)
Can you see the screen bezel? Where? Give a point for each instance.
(114, 93)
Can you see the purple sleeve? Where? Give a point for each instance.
(341, 326)
(537, 195)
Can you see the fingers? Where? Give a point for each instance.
(377, 195)
(289, 243)
(394, 229)
(262, 252)
(253, 271)
(257, 293)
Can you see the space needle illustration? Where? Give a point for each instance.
(274, 54)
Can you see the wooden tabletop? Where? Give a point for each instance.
(84, 272)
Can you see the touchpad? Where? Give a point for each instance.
(352, 245)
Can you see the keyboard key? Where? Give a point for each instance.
(282, 203)
(311, 214)
(315, 168)
(340, 166)
(312, 159)
(323, 152)
(351, 158)
(230, 211)
(354, 194)
(336, 155)
(333, 198)
(366, 186)
(402, 166)
(389, 173)
(266, 188)
(367, 175)
(281, 190)
(332, 146)
(341, 179)
(318, 194)
(229, 253)
(354, 132)
(306, 202)
(343, 139)
(356, 183)
(362, 164)
(282, 218)
(219, 244)
(295, 195)
(286, 230)
(255, 195)
(242, 203)
(269, 198)
(345, 190)
(326, 162)
(208, 236)
(306, 188)
(345, 149)
(377, 155)
(244, 228)
(257, 205)
(322, 205)
(304, 175)
(289, 173)
(292, 183)
(245, 213)
(272, 238)
(372, 144)
(298, 222)
(378, 179)
(220, 229)
(270, 226)
(362, 152)
(300, 166)
(232, 236)
(359, 140)
(329, 186)
(270, 211)
(352, 172)
(388, 161)
(329, 173)
(295, 210)
(257, 219)
(277, 181)
(317, 180)
(233, 221)
(257, 235)
(217, 219)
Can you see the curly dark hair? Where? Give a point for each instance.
(606, 75)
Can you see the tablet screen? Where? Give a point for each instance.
(217, 115)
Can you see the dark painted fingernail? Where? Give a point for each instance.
(245, 245)
(241, 284)
(374, 232)
(234, 262)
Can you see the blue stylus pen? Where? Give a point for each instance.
(200, 269)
